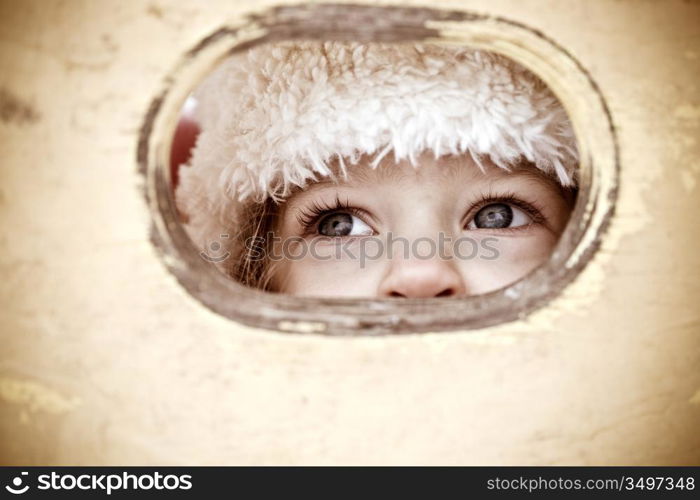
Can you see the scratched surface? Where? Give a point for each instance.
(105, 359)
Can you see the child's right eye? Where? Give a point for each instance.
(499, 216)
(343, 224)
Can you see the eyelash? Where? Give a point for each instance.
(309, 217)
(509, 198)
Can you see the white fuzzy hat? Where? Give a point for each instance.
(279, 115)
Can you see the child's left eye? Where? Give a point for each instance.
(499, 216)
(343, 224)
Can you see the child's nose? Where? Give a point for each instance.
(418, 278)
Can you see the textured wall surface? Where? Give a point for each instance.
(105, 359)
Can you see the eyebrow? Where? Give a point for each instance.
(530, 170)
(384, 172)
(298, 194)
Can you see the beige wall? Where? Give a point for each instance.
(105, 359)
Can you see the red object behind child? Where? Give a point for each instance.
(184, 140)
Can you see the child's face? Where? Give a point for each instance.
(455, 231)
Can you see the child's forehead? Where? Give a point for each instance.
(429, 170)
(444, 178)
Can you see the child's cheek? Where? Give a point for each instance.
(332, 274)
(506, 259)
(355, 268)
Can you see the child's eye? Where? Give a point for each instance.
(343, 224)
(499, 216)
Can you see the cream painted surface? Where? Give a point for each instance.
(105, 359)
